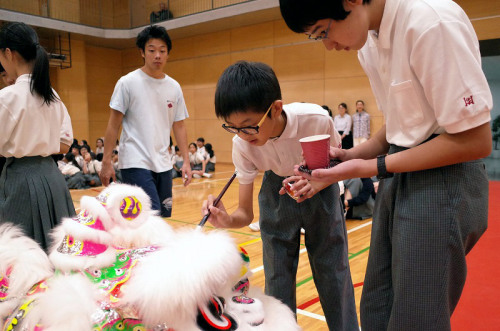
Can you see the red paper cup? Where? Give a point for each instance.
(316, 150)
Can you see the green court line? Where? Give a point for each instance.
(350, 257)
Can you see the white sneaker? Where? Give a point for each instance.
(196, 176)
(255, 227)
(207, 175)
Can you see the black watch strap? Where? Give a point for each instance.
(382, 170)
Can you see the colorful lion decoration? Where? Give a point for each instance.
(118, 266)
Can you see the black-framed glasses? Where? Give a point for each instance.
(323, 35)
(250, 130)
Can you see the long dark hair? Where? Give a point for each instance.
(208, 148)
(21, 38)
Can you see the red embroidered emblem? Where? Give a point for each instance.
(469, 101)
(170, 105)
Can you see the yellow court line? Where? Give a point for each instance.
(253, 241)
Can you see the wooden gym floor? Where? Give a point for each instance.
(187, 203)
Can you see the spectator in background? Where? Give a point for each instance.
(200, 146)
(177, 162)
(99, 146)
(114, 162)
(361, 124)
(343, 124)
(162, 15)
(73, 175)
(325, 107)
(91, 170)
(198, 162)
(211, 159)
(75, 150)
(359, 198)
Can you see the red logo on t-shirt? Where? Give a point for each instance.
(469, 101)
(170, 105)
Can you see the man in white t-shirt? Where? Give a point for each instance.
(148, 103)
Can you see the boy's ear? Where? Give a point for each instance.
(349, 3)
(277, 108)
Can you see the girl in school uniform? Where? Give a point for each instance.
(34, 124)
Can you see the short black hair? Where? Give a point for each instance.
(1, 68)
(201, 139)
(246, 86)
(299, 15)
(153, 32)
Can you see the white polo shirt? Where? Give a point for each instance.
(282, 153)
(425, 70)
(150, 107)
(28, 126)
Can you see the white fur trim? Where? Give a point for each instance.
(168, 285)
(116, 193)
(277, 315)
(155, 231)
(28, 261)
(68, 304)
(97, 210)
(83, 232)
(66, 263)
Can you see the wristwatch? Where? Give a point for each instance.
(382, 170)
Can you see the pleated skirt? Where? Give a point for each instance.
(34, 196)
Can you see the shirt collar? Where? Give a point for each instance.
(23, 78)
(290, 126)
(388, 20)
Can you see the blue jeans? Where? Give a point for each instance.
(157, 185)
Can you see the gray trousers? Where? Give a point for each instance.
(281, 218)
(424, 224)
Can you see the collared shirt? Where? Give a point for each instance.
(361, 125)
(282, 153)
(425, 69)
(30, 127)
(343, 123)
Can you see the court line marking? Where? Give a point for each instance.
(206, 180)
(313, 315)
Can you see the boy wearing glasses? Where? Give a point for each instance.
(423, 61)
(248, 98)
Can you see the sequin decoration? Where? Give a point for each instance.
(242, 299)
(112, 278)
(103, 198)
(242, 286)
(4, 285)
(86, 218)
(130, 208)
(74, 247)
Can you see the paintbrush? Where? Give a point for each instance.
(216, 201)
